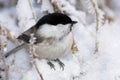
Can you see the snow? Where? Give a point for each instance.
(110, 42)
(8, 19)
(26, 16)
(83, 65)
(46, 6)
(58, 73)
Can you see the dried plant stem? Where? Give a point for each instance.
(56, 8)
(32, 51)
(9, 35)
(3, 45)
(97, 25)
(6, 66)
(96, 15)
(38, 71)
(32, 10)
(35, 64)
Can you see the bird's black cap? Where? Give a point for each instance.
(54, 19)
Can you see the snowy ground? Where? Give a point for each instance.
(83, 65)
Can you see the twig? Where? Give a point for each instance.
(35, 64)
(9, 34)
(96, 15)
(99, 19)
(3, 44)
(32, 51)
(32, 45)
(6, 66)
(32, 10)
(56, 8)
(97, 25)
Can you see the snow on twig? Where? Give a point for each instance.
(3, 48)
(99, 19)
(32, 51)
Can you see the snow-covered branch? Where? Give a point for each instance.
(32, 51)
(3, 49)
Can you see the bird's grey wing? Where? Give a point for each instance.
(26, 38)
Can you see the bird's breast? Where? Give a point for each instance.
(54, 50)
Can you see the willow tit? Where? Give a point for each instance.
(53, 36)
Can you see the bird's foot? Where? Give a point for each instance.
(60, 63)
(51, 65)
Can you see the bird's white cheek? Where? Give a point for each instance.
(46, 31)
(63, 28)
(53, 31)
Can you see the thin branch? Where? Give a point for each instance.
(33, 13)
(6, 66)
(32, 51)
(32, 45)
(96, 15)
(56, 8)
(3, 45)
(97, 25)
(9, 34)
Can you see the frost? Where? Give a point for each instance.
(97, 31)
(25, 15)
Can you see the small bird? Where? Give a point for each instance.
(53, 37)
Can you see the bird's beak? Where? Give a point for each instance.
(74, 22)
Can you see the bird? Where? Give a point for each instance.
(54, 37)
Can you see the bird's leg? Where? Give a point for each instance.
(60, 63)
(51, 64)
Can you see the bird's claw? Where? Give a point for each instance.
(60, 63)
(51, 65)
